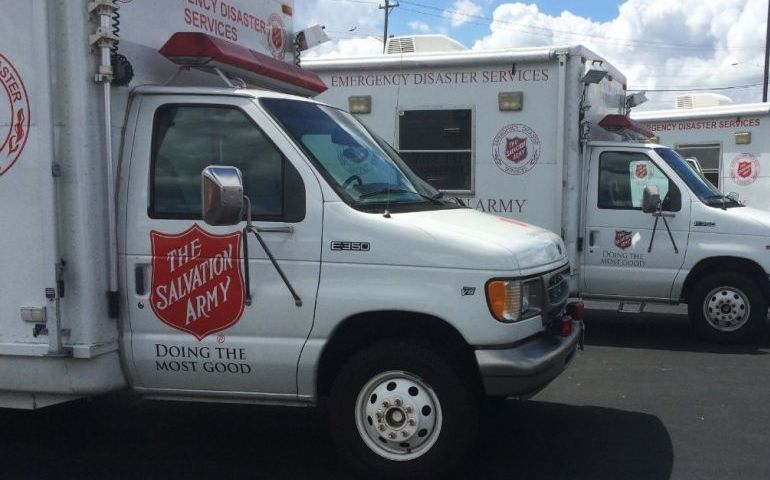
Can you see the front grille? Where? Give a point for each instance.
(557, 290)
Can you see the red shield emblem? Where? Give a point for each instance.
(744, 169)
(197, 283)
(623, 238)
(641, 170)
(277, 37)
(516, 149)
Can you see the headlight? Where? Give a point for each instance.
(531, 297)
(513, 300)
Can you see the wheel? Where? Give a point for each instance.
(399, 409)
(727, 307)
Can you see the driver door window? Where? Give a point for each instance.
(623, 177)
(188, 138)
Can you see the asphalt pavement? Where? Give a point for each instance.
(644, 401)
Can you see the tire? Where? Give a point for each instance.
(399, 410)
(727, 308)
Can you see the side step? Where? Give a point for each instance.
(631, 307)
(32, 401)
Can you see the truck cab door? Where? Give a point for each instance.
(191, 328)
(621, 259)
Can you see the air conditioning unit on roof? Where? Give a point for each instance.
(701, 100)
(422, 44)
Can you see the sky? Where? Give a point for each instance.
(657, 44)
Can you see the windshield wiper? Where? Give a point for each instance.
(384, 191)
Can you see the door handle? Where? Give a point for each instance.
(592, 237)
(283, 229)
(141, 278)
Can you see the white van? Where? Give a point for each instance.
(730, 143)
(541, 135)
(133, 260)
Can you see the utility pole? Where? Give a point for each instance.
(387, 7)
(767, 54)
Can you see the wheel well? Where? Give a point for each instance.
(364, 329)
(725, 264)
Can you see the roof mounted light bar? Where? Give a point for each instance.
(623, 125)
(200, 50)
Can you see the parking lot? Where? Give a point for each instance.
(644, 401)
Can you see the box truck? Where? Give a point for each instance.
(542, 135)
(730, 142)
(169, 231)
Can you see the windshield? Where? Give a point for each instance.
(706, 192)
(366, 172)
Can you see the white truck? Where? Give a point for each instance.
(542, 135)
(730, 142)
(192, 240)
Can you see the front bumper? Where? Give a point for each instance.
(525, 369)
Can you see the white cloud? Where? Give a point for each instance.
(462, 11)
(655, 43)
(421, 27)
(352, 26)
(345, 48)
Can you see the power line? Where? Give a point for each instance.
(694, 89)
(548, 32)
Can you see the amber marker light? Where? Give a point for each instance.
(504, 299)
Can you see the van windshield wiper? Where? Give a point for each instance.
(435, 199)
(384, 191)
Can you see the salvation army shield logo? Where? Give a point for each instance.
(197, 283)
(744, 169)
(623, 238)
(275, 36)
(14, 115)
(641, 171)
(516, 149)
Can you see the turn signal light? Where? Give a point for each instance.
(504, 299)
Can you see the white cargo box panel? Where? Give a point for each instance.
(265, 27)
(730, 142)
(26, 185)
(514, 167)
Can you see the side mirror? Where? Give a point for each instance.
(733, 196)
(650, 199)
(222, 192)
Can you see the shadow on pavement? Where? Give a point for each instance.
(540, 440)
(658, 331)
(125, 438)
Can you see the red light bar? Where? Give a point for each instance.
(194, 49)
(619, 123)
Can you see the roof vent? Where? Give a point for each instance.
(422, 44)
(701, 100)
(400, 45)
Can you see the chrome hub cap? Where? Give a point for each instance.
(726, 309)
(398, 415)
